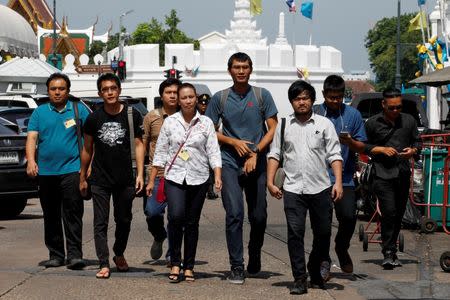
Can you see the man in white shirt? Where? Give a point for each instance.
(310, 146)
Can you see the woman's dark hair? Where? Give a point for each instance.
(58, 76)
(108, 77)
(299, 87)
(188, 86)
(168, 82)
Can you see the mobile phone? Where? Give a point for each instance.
(344, 134)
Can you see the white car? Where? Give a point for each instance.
(25, 101)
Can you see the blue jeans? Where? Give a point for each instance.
(254, 186)
(155, 215)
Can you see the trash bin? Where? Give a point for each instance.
(435, 194)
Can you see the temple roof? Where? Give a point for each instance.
(26, 70)
(36, 12)
(16, 35)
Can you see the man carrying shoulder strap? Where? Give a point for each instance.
(244, 140)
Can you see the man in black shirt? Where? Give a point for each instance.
(112, 171)
(392, 141)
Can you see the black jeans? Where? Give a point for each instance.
(345, 210)
(254, 186)
(185, 203)
(320, 213)
(60, 199)
(122, 202)
(392, 196)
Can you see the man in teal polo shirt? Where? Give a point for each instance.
(52, 128)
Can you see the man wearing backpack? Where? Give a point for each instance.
(110, 129)
(244, 111)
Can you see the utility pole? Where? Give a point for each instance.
(398, 76)
(54, 58)
(121, 38)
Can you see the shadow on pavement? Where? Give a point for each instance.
(163, 262)
(21, 217)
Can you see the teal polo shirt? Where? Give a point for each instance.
(57, 141)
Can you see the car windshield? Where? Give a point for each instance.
(6, 131)
(15, 103)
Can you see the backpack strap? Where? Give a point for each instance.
(223, 99)
(132, 144)
(78, 126)
(258, 94)
(283, 127)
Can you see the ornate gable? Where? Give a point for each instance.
(36, 12)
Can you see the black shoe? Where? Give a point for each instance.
(254, 262)
(325, 268)
(345, 261)
(317, 284)
(316, 280)
(300, 287)
(53, 263)
(76, 264)
(236, 275)
(156, 249)
(397, 262)
(388, 261)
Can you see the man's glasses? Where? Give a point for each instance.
(335, 98)
(111, 88)
(394, 107)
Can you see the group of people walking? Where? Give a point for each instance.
(232, 142)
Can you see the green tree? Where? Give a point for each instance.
(154, 32)
(96, 48)
(381, 46)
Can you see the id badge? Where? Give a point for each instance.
(69, 123)
(184, 155)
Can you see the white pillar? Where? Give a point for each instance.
(281, 26)
(433, 108)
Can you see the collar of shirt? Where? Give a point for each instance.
(397, 123)
(67, 107)
(293, 118)
(163, 113)
(179, 116)
(333, 113)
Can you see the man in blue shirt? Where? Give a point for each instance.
(52, 127)
(245, 111)
(349, 126)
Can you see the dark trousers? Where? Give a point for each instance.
(122, 201)
(320, 213)
(392, 196)
(185, 203)
(254, 186)
(62, 206)
(154, 212)
(345, 210)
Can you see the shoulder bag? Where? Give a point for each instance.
(280, 174)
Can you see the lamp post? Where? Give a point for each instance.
(54, 58)
(398, 76)
(121, 40)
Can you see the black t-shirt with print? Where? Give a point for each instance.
(112, 154)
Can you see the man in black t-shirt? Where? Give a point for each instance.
(108, 130)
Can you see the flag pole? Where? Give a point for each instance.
(310, 32)
(293, 32)
(421, 23)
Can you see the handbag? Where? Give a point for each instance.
(161, 192)
(88, 195)
(366, 177)
(280, 174)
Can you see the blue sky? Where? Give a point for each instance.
(339, 23)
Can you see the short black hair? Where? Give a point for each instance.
(168, 82)
(241, 57)
(187, 85)
(334, 83)
(108, 77)
(58, 76)
(299, 87)
(391, 93)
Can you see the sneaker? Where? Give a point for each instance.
(156, 249)
(53, 263)
(76, 264)
(236, 275)
(325, 271)
(300, 287)
(396, 261)
(345, 261)
(254, 263)
(388, 261)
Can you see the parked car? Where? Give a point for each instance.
(369, 104)
(15, 186)
(26, 101)
(20, 116)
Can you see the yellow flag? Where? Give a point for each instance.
(255, 7)
(418, 22)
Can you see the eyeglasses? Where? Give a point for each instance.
(110, 88)
(335, 98)
(394, 107)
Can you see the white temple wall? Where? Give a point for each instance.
(183, 52)
(281, 56)
(307, 56)
(213, 55)
(143, 57)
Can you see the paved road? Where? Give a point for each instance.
(22, 248)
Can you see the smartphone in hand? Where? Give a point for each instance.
(344, 134)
